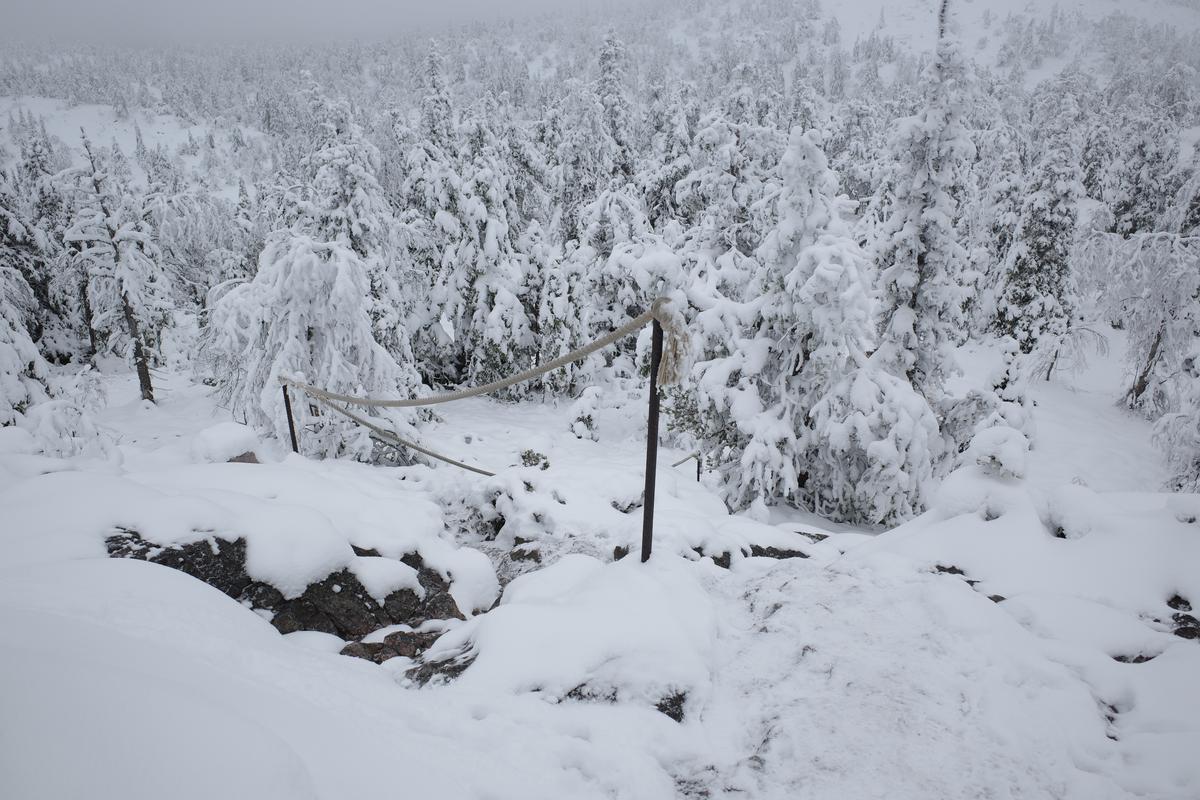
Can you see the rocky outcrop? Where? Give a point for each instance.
(337, 604)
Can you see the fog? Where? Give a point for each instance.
(131, 21)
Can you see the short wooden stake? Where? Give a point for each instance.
(651, 443)
(287, 405)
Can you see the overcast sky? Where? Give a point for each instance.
(240, 19)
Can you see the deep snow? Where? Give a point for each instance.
(861, 671)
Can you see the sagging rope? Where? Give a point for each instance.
(389, 436)
(674, 363)
(676, 353)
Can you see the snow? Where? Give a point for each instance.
(858, 672)
(223, 441)
(1021, 637)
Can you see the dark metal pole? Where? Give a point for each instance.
(287, 404)
(651, 443)
(699, 463)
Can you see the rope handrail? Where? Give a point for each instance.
(393, 438)
(669, 352)
(687, 458)
(670, 369)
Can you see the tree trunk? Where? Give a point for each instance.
(139, 351)
(86, 301)
(1053, 364)
(1142, 382)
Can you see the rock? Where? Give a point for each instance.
(337, 604)
(673, 705)
(411, 643)
(364, 551)
(757, 551)
(438, 604)
(441, 670)
(620, 552)
(722, 560)
(370, 651)
(221, 563)
(247, 457)
(526, 552)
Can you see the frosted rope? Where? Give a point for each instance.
(676, 348)
(393, 438)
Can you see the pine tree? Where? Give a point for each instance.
(1038, 303)
(304, 315)
(918, 254)
(123, 281)
(610, 90)
(24, 373)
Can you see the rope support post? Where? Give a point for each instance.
(287, 405)
(656, 352)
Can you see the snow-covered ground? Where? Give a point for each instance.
(970, 653)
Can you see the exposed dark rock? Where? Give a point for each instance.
(722, 560)
(438, 604)
(526, 552)
(951, 570)
(815, 537)
(441, 670)
(410, 643)
(370, 651)
(672, 705)
(221, 563)
(1179, 604)
(1134, 659)
(337, 604)
(620, 552)
(247, 457)
(997, 598)
(758, 551)
(1186, 626)
(586, 693)
(364, 551)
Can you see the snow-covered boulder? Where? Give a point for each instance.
(225, 441)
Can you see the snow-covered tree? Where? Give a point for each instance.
(917, 252)
(1039, 298)
(305, 314)
(123, 280)
(23, 370)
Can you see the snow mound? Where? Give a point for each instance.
(583, 629)
(222, 442)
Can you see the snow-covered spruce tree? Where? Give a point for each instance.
(124, 284)
(481, 289)
(917, 252)
(305, 314)
(610, 90)
(346, 205)
(23, 371)
(562, 322)
(1039, 298)
(1003, 198)
(669, 160)
(814, 422)
(810, 309)
(1143, 180)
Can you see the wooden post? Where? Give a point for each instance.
(699, 464)
(287, 404)
(651, 443)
